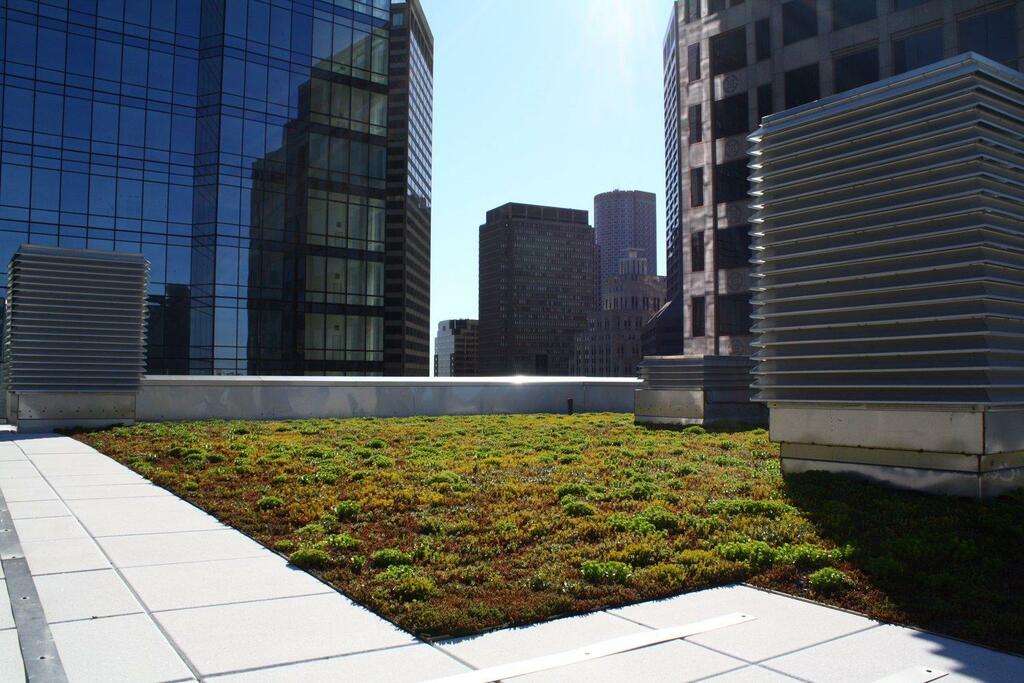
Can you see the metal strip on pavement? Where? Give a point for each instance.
(915, 674)
(38, 651)
(603, 648)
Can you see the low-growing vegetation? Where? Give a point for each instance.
(455, 525)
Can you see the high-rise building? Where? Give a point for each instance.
(729, 63)
(255, 152)
(538, 282)
(625, 220)
(612, 346)
(457, 349)
(407, 226)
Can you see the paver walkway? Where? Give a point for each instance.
(137, 585)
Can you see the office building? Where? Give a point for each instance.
(728, 64)
(257, 154)
(611, 346)
(407, 222)
(457, 348)
(623, 221)
(538, 282)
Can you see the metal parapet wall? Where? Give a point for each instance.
(74, 339)
(889, 250)
(696, 390)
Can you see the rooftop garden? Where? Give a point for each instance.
(455, 525)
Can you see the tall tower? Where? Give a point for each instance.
(624, 221)
(407, 231)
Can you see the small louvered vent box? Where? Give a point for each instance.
(74, 338)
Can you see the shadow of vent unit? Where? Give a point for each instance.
(889, 283)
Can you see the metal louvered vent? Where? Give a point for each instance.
(75, 321)
(705, 373)
(889, 242)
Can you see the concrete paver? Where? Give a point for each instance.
(250, 635)
(128, 648)
(84, 595)
(10, 655)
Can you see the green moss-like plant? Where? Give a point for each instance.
(577, 508)
(310, 558)
(269, 503)
(606, 572)
(347, 510)
(830, 581)
(389, 557)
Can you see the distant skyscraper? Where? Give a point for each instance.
(611, 346)
(625, 220)
(457, 349)
(729, 63)
(271, 160)
(538, 282)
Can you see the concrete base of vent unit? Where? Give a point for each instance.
(695, 407)
(46, 411)
(975, 451)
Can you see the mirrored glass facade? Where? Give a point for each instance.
(241, 145)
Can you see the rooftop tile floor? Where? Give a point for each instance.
(138, 585)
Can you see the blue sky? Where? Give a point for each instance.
(543, 102)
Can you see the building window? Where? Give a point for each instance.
(802, 85)
(732, 247)
(850, 12)
(697, 251)
(799, 21)
(691, 11)
(731, 116)
(765, 105)
(763, 39)
(993, 35)
(906, 4)
(697, 186)
(719, 5)
(693, 61)
(917, 50)
(696, 125)
(728, 51)
(857, 69)
(697, 317)
(732, 181)
(733, 314)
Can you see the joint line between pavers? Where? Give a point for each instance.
(326, 658)
(99, 618)
(451, 655)
(764, 662)
(38, 650)
(131, 589)
(261, 555)
(252, 601)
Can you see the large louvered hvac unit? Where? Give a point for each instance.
(889, 284)
(696, 390)
(74, 339)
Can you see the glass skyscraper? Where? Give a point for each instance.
(255, 152)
